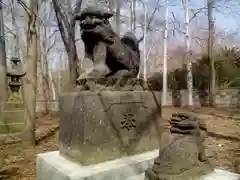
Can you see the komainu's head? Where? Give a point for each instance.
(92, 16)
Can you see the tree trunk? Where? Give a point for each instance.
(16, 52)
(19, 45)
(212, 83)
(30, 80)
(72, 53)
(44, 61)
(118, 17)
(67, 30)
(40, 78)
(188, 55)
(165, 57)
(72, 57)
(131, 16)
(134, 16)
(52, 86)
(3, 64)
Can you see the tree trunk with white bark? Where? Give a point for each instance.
(3, 63)
(188, 55)
(165, 57)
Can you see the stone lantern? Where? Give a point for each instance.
(15, 73)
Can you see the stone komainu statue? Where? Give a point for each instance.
(184, 157)
(110, 54)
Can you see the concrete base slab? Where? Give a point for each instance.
(218, 174)
(52, 166)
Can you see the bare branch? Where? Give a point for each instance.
(50, 47)
(174, 23)
(77, 6)
(60, 24)
(60, 12)
(9, 31)
(71, 29)
(75, 12)
(150, 20)
(25, 7)
(198, 38)
(54, 32)
(196, 13)
(66, 26)
(28, 10)
(153, 14)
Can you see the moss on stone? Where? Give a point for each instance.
(13, 116)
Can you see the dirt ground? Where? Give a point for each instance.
(219, 149)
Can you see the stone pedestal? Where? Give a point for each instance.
(14, 118)
(101, 126)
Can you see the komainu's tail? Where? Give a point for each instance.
(130, 40)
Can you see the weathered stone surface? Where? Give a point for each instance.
(13, 118)
(99, 126)
(114, 84)
(183, 157)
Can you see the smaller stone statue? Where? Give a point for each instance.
(184, 157)
(114, 59)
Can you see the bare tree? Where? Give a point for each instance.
(30, 79)
(118, 16)
(40, 78)
(3, 64)
(210, 5)
(165, 56)
(188, 55)
(44, 59)
(150, 19)
(15, 29)
(115, 5)
(134, 15)
(19, 44)
(131, 16)
(66, 26)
